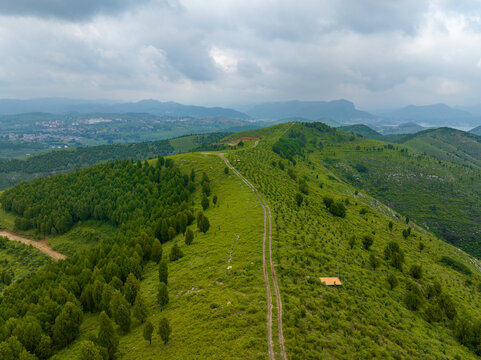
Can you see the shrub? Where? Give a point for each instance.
(327, 201)
(367, 241)
(416, 271)
(299, 199)
(392, 280)
(175, 253)
(189, 237)
(456, 265)
(338, 209)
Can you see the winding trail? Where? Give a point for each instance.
(41, 245)
(267, 219)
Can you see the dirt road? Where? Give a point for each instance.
(267, 220)
(42, 245)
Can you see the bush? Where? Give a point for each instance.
(327, 201)
(392, 280)
(367, 241)
(175, 253)
(338, 209)
(189, 237)
(456, 265)
(299, 199)
(416, 271)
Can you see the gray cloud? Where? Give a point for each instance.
(72, 10)
(376, 53)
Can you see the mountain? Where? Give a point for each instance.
(341, 111)
(312, 214)
(476, 130)
(59, 105)
(434, 115)
(363, 130)
(447, 144)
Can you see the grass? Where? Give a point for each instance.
(215, 313)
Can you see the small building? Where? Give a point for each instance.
(331, 281)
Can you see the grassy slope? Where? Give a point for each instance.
(363, 317)
(447, 144)
(205, 325)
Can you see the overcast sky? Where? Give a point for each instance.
(376, 53)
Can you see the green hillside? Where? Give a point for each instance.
(363, 130)
(17, 170)
(447, 144)
(405, 294)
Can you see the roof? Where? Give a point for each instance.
(330, 281)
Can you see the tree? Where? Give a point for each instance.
(163, 295)
(204, 202)
(390, 225)
(203, 223)
(148, 330)
(25, 355)
(163, 272)
(416, 271)
(226, 170)
(66, 327)
(175, 253)
(164, 329)
(206, 188)
(299, 199)
(131, 288)
(156, 254)
(337, 208)
(392, 280)
(214, 200)
(367, 241)
(44, 347)
(373, 261)
(140, 308)
(89, 351)
(327, 201)
(120, 309)
(192, 175)
(107, 337)
(28, 332)
(189, 237)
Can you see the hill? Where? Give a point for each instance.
(59, 105)
(447, 144)
(405, 128)
(476, 131)
(363, 130)
(340, 111)
(14, 171)
(404, 291)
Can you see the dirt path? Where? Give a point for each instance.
(267, 219)
(42, 245)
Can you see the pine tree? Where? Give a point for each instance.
(131, 288)
(156, 251)
(163, 295)
(140, 310)
(163, 272)
(189, 236)
(204, 202)
(175, 253)
(164, 330)
(44, 347)
(67, 323)
(89, 351)
(107, 337)
(120, 309)
(148, 330)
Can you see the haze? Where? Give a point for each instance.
(379, 54)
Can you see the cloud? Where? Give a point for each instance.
(71, 10)
(380, 53)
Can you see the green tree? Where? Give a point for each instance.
(204, 202)
(226, 170)
(140, 310)
(163, 295)
(214, 200)
(367, 241)
(89, 351)
(44, 347)
(164, 329)
(373, 261)
(189, 237)
(25, 355)
(203, 223)
(392, 280)
(337, 208)
(352, 242)
(299, 199)
(107, 337)
(131, 288)
(148, 330)
(390, 225)
(66, 327)
(156, 254)
(29, 333)
(120, 309)
(163, 272)
(175, 253)
(416, 271)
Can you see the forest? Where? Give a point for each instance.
(41, 313)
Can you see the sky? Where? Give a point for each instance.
(376, 53)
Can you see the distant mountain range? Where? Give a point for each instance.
(8, 107)
(433, 115)
(340, 111)
(337, 112)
